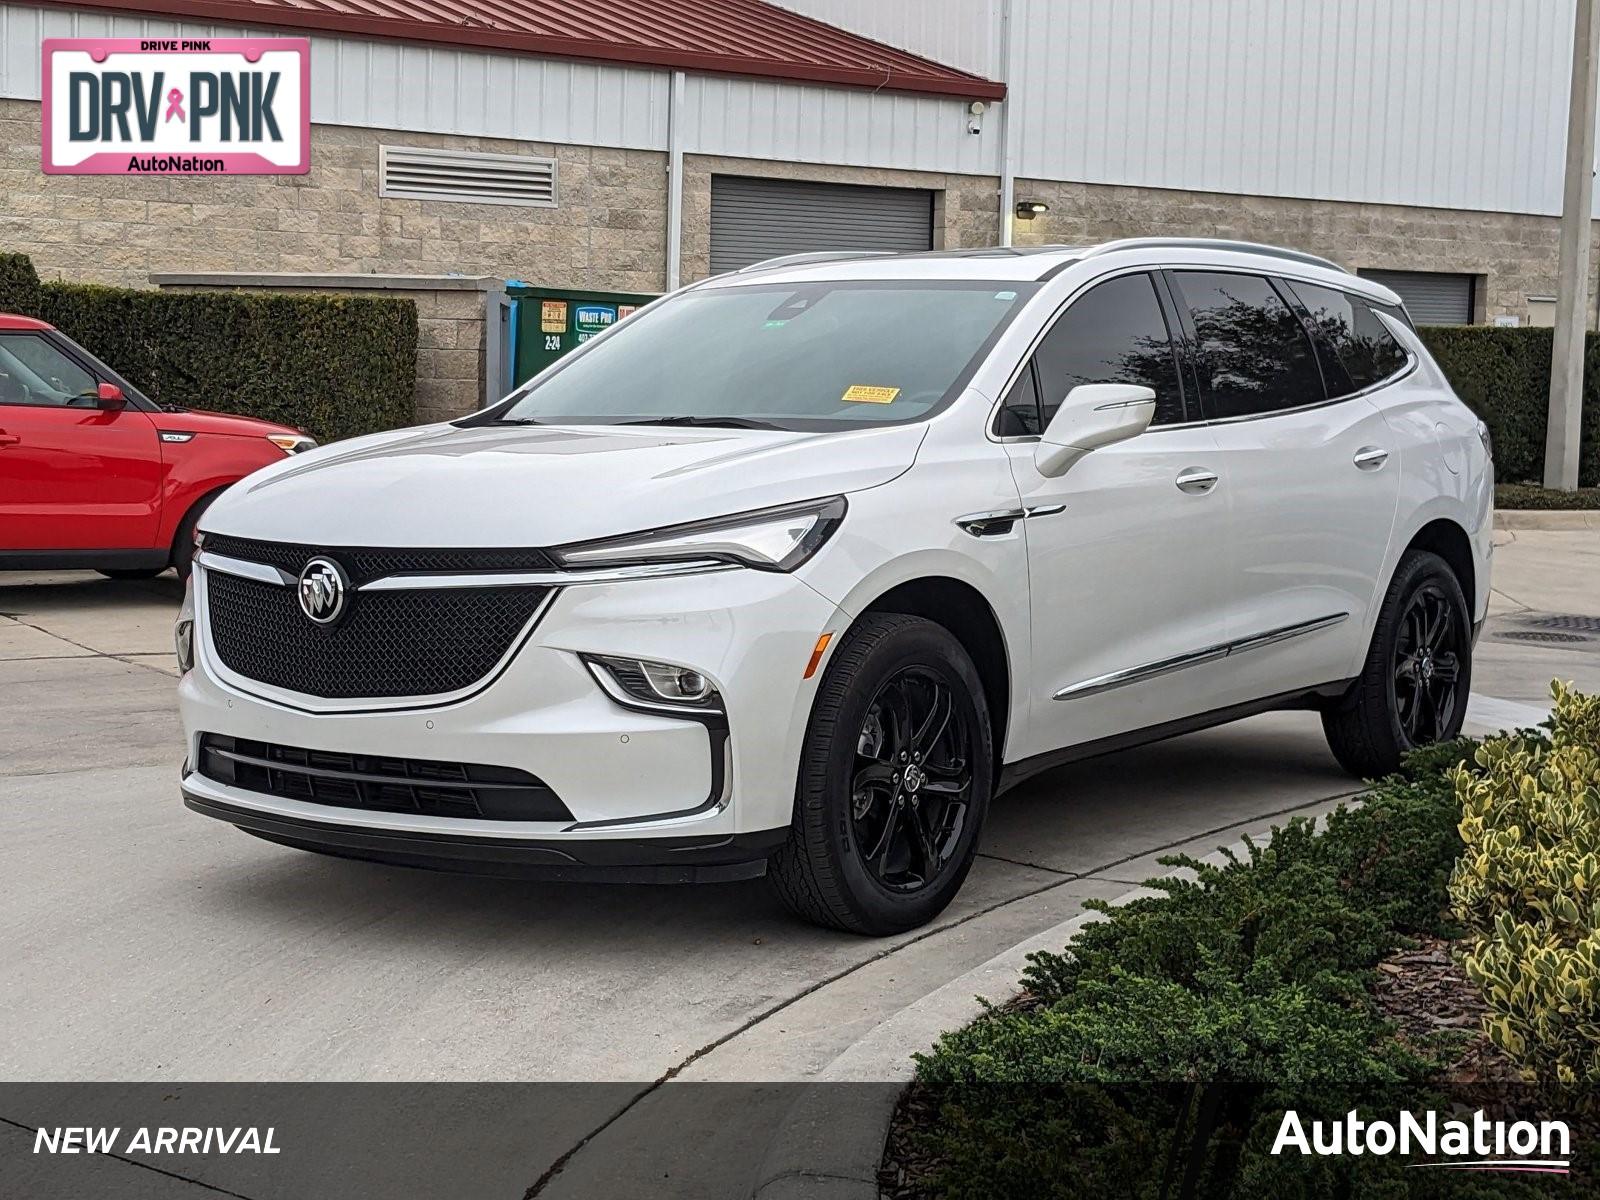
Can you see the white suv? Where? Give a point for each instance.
(795, 569)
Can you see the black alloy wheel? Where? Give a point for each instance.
(912, 787)
(894, 780)
(1427, 666)
(1416, 677)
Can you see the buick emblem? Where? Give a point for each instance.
(322, 590)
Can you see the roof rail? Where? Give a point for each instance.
(814, 256)
(1199, 243)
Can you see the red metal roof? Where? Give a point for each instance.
(738, 37)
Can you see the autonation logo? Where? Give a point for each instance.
(1473, 1144)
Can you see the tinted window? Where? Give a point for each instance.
(1253, 353)
(1356, 350)
(33, 371)
(1113, 333)
(1019, 415)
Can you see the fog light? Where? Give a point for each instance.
(676, 683)
(638, 681)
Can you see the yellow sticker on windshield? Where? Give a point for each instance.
(860, 393)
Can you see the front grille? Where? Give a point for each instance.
(418, 642)
(366, 563)
(378, 782)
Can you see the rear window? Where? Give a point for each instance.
(1356, 351)
(1253, 355)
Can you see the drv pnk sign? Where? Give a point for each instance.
(171, 106)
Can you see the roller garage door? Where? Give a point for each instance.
(753, 219)
(1431, 298)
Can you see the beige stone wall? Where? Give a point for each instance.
(607, 233)
(966, 207)
(1514, 255)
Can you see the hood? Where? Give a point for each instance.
(196, 420)
(441, 485)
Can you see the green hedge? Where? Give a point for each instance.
(335, 366)
(1504, 377)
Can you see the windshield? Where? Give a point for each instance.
(785, 356)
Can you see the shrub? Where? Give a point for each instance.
(1522, 495)
(1503, 375)
(1245, 987)
(1528, 889)
(335, 366)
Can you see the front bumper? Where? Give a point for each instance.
(652, 793)
(713, 859)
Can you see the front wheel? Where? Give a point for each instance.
(895, 778)
(1414, 685)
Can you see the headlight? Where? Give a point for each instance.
(1487, 439)
(292, 443)
(771, 539)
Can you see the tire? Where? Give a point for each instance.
(866, 854)
(1414, 684)
(183, 540)
(130, 572)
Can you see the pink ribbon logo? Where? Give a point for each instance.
(175, 105)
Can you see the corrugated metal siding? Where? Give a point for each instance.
(1445, 103)
(963, 33)
(1431, 298)
(1449, 103)
(751, 118)
(755, 219)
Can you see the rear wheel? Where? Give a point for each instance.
(1418, 673)
(895, 778)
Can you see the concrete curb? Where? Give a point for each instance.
(1538, 518)
(831, 1143)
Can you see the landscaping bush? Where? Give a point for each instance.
(1503, 375)
(1528, 888)
(335, 366)
(1522, 495)
(1244, 990)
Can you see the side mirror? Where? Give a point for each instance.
(1093, 415)
(109, 395)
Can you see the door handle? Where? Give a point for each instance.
(8, 439)
(1197, 481)
(1370, 458)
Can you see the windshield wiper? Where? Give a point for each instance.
(705, 422)
(514, 421)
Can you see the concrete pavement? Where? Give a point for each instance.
(145, 943)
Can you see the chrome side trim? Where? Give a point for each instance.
(996, 520)
(260, 572)
(1000, 520)
(1165, 666)
(573, 578)
(1285, 632)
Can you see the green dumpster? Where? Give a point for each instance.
(552, 321)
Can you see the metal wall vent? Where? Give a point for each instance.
(413, 173)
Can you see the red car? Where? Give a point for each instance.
(95, 475)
